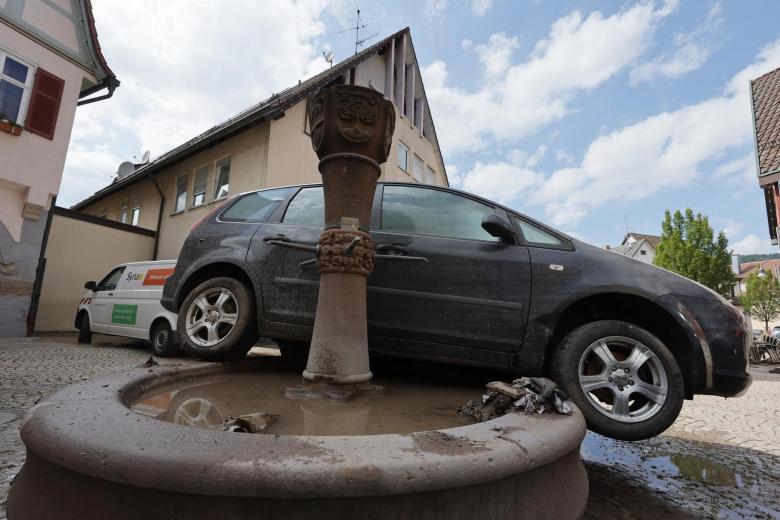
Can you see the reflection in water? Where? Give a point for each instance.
(404, 407)
(705, 471)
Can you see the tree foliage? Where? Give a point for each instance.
(762, 298)
(688, 247)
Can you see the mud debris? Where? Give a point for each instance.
(528, 394)
(251, 423)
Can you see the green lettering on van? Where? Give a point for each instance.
(124, 314)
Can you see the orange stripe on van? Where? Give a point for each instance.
(157, 276)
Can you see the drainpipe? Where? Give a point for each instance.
(159, 216)
(36, 292)
(111, 84)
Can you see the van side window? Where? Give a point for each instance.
(111, 280)
(254, 207)
(307, 208)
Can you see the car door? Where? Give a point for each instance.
(473, 291)
(103, 299)
(289, 289)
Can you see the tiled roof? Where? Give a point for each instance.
(768, 265)
(653, 240)
(267, 109)
(765, 95)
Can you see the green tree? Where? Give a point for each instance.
(762, 298)
(688, 247)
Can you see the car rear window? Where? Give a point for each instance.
(254, 207)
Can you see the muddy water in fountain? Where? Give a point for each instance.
(404, 406)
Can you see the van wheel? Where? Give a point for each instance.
(217, 320)
(625, 380)
(163, 339)
(85, 331)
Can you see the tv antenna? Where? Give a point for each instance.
(356, 28)
(329, 56)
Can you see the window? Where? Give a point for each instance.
(417, 169)
(403, 157)
(642, 252)
(16, 79)
(222, 184)
(254, 207)
(430, 175)
(123, 211)
(307, 208)
(136, 214)
(111, 280)
(181, 192)
(199, 188)
(535, 234)
(422, 211)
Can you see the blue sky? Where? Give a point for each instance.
(594, 116)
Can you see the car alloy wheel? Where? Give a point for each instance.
(623, 379)
(211, 316)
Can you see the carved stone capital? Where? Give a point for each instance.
(343, 251)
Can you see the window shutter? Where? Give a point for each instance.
(44, 104)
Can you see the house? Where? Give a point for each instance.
(149, 209)
(748, 268)
(50, 61)
(765, 101)
(638, 246)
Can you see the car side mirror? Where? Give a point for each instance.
(499, 227)
(90, 286)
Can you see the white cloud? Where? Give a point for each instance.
(562, 156)
(480, 7)
(495, 55)
(752, 244)
(693, 50)
(435, 7)
(733, 228)
(501, 182)
(185, 67)
(518, 99)
(629, 164)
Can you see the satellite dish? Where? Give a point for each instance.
(329, 56)
(125, 169)
(145, 158)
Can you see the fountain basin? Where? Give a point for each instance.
(90, 456)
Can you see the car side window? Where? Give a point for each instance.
(254, 207)
(425, 211)
(536, 235)
(111, 280)
(307, 208)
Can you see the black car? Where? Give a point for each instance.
(628, 341)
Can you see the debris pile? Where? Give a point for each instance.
(250, 423)
(528, 394)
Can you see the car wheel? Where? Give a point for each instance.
(217, 320)
(625, 381)
(294, 354)
(85, 330)
(163, 339)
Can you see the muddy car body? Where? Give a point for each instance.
(629, 341)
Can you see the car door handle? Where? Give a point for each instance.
(278, 237)
(392, 249)
(110, 294)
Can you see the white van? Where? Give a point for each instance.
(126, 302)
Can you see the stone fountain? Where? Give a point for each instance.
(147, 443)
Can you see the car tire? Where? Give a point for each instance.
(85, 330)
(163, 339)
(635, 385)
(293, 354)
(217, 320)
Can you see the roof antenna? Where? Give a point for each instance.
(329, 57)
(356, 28)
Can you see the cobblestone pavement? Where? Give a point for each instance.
(721, 459)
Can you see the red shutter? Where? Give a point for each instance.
(44, 104)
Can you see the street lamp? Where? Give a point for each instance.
(761, 272)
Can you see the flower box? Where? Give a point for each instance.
(10, 128)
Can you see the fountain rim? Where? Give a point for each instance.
(89, 428)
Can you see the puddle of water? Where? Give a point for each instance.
(404, 407)
(699, 469)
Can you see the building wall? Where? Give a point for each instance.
(31, 167)
(77, 252)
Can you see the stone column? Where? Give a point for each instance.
(351, 132)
